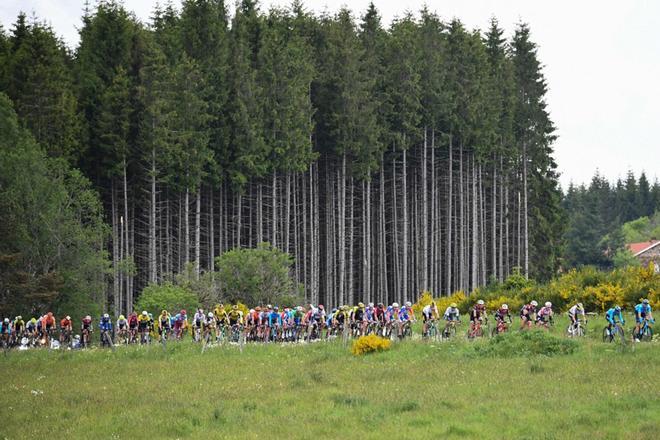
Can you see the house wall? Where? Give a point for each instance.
(652, 255)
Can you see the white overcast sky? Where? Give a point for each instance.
(601, 58)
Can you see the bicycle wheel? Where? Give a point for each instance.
(647, 334)
(607, 335)
(620, 334)
(579, 331)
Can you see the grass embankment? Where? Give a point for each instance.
(414, 390)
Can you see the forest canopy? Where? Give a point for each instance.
(385, 159)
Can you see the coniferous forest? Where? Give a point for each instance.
(387, 159)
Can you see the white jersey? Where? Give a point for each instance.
(451, 312)
(573, 311)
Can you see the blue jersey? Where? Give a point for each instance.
(612, 314)
(274, 318)
(5, 328)
(404, 314)
(642, 309)
(105, 325)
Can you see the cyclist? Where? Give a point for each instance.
(133, 326)
(48, 325)
(144, 324)
(429, 313)
(642, 312)
(340, 318)
(164, 320)
(274, 323)
(31, 328)
(544, 317)
(501, 315)
(527, 313)
(122, 326)
(209, 327)
(197, 323)
(66, 328)
(573, 314)
(105, 326)
(477, 313)
(86, 330)
(612, 315)
(19, 327)
(406, 318)
(235, 316)
(359, 322)
(5, 331)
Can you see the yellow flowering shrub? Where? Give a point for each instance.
(606, 295)
(370, 344)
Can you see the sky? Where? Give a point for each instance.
(601, 60)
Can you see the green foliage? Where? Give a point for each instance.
(51, 228)
(624, 258)
(155, 298)
(257, 276)
(528, 343)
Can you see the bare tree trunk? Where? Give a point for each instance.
(260, 214)
(351, 298)
(342, 230)
(404, 293)
(116, 250)
(425, 220)
(152, 221)
(211, 232)
(383, 283)
(186, 220)
(500, 267)
(449, 219)
(198, 231)
(129, 296)
(525, 211)
(475, 230)
(239, 219)
(274, 209)
(396, 294)
(493, 236)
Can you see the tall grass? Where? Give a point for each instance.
(414, 390)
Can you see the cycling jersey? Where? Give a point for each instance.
(19, 324)
(274, 319)
(500, 314)
(527, 311)
(612, 314)
(5, 328)
(220, 314)
(379, 314)
(429, 312)
(452, 314)
(163, 321)
(642, 311)
(235, 317)
(121, 324)
(544, 314)
(143, 322)
(105, 324)
(198, 319)
(86, 324)
(477, 312)
(132, 321)
(358, 315)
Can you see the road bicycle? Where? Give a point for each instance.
(476, 330)
(500, 328)
(576, 330)
(645, 332)
(450, 329)
(432, 330)
(610, 333)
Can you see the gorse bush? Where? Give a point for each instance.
(370, 344)
(533, 342)
(597, 290)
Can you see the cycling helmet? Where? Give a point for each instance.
(106, 316)
(480, 302)
(19, 317)
(183, 311)
(453, 305)
(144, 313)
(361, 305)
(164, 312)
(210, 315)
(234, 307)
(617, 308)
(334, 310)
(275, 308)
(534, 303)
(88, 318)
(121, 317)
(50, 314)
(151, 316)
(580, 306)
(6, 320)
(371, 305)
(505, 307)
(251, 311)
(269, 306)
(257, 309)
(321, 307)
(381, 305)
(548, 304)
(395, 305)
(645, 301)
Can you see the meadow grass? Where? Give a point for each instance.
(415, 390)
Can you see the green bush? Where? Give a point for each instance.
(155, 298)
(533, 342)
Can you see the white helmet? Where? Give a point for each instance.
(534, 303)
(408, 304)
(580, 306)
(371, 305)
(106, 316)
(144, 313)
(68, 318)
(480, 302)
(210, 315)
(505, 307)
(395, 305)
(548, 304)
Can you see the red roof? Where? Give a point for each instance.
(636, 248)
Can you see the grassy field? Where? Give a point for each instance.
(415, 390)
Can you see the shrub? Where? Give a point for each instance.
(155, 298)
(533, 342)
(370, 344)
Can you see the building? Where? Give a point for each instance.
(647, 252)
